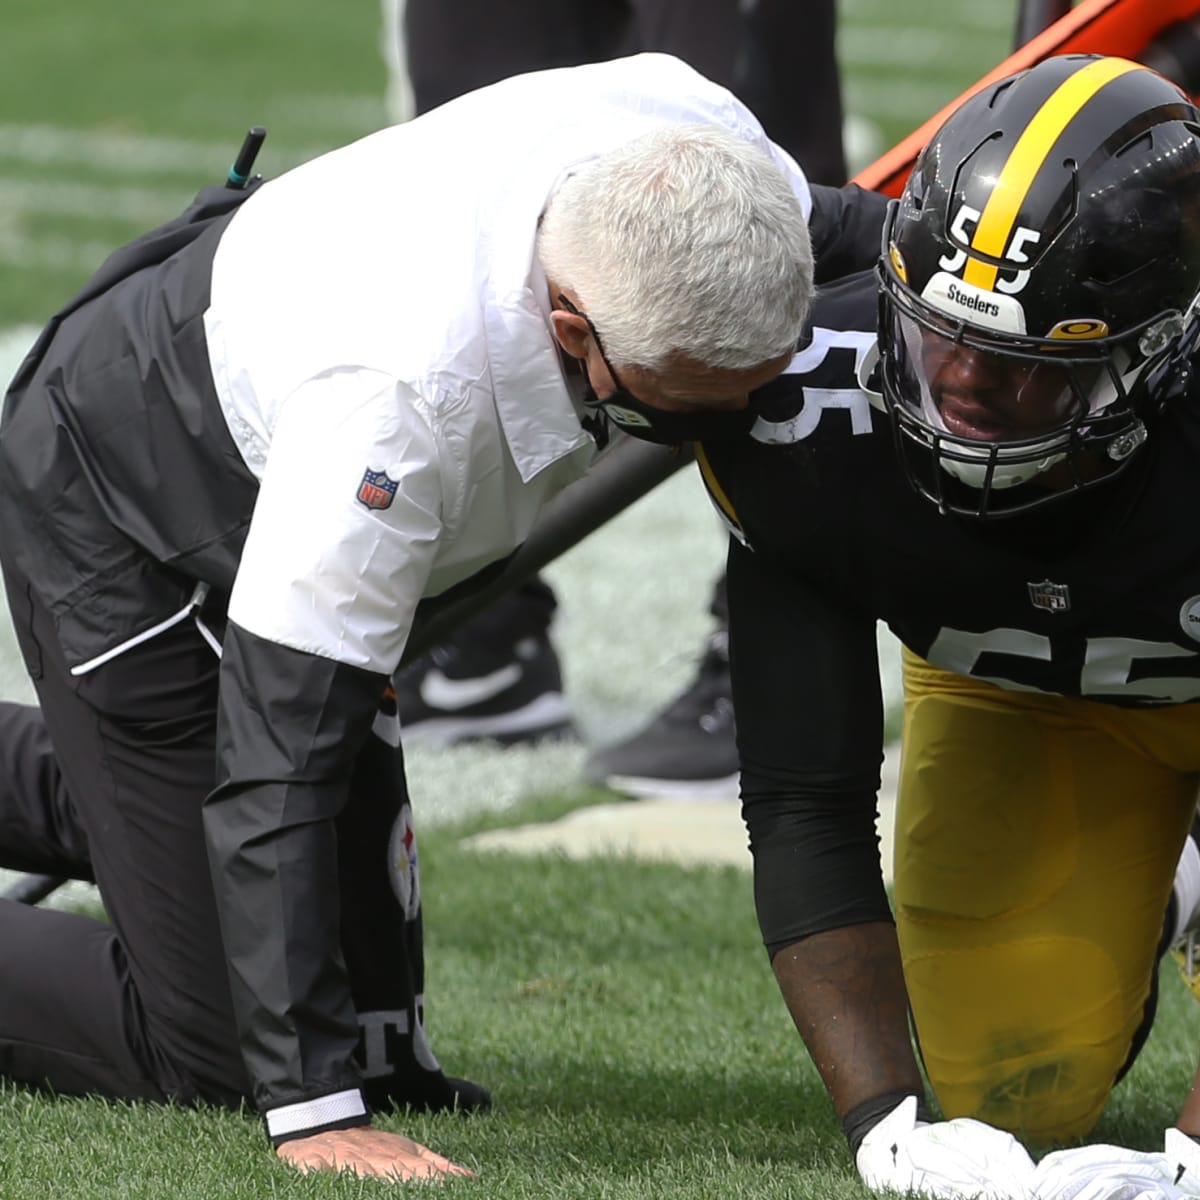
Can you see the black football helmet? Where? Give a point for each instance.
(1048, 243)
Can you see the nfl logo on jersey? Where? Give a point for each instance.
(1053, 597)
(377, 490)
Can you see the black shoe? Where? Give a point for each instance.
(469, 1098)
(689, 750)
(428, 1092)
(469, 689)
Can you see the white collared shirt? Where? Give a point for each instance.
(379, 340)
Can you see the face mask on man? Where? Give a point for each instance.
(651, 424)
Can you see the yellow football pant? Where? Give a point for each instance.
(1036, 843)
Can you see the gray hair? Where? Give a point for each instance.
(685, 241)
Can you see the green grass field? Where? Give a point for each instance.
(110, 115)
(623, 1014)
(631, 1032)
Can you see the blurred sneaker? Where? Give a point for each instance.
(470, 690)
(1185, 947)
(689, 750)
(1187, 958)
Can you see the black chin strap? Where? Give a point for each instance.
(595, 423)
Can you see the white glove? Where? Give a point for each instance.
(1183, 1161)
(1106, 1173)
(955, 1160)
(1114, 1173)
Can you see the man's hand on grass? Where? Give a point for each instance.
(368, 1151)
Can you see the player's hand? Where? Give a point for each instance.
(1108, 1173)
(368, 1151)
(1114, 1173)
(953, 1160)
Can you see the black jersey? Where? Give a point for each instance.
(1094, 596)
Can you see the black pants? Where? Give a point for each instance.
(777, 55)
(105, 782)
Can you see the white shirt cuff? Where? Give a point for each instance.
(312, 1114)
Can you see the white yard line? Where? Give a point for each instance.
(883, 14)
(13, 344)
(895, 49)
(145, 204)
(123, 153)
(14, 683)
(47, 253)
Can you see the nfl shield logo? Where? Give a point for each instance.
(376, 489)
(1053, 597)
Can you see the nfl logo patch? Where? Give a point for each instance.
(376, 490)
(1053, 597)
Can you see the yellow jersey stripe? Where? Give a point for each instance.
(715, 490)
(1018, 173)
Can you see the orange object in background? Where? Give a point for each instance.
(1121, 27)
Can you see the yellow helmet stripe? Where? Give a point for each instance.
(715, 490)
(1018, 173)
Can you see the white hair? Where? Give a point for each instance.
(685, 241)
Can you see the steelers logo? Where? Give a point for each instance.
(402, 864)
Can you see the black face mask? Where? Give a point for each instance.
(642, 420)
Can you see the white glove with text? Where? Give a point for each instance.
(961, 1159)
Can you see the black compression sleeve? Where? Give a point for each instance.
(809, 713)
(816, 865)
(861, 1119)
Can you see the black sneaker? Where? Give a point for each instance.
(689, 750)
(429, 1092)
(469, 689)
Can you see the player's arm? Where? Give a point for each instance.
(333, 566)
(846, 224)
(806, 688)
(1189, 1114)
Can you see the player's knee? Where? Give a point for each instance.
(1027, 1034)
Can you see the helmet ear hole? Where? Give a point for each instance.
(1086, 261)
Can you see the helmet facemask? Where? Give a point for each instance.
(1090, 398)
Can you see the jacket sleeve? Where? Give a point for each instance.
(810, 720)
(846, 227)
(289, 728)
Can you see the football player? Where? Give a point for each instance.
(993, 445)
